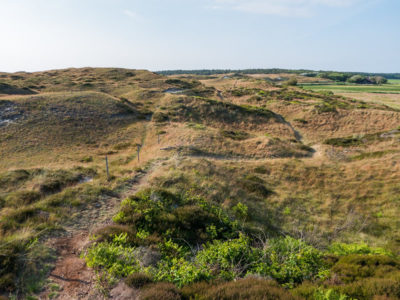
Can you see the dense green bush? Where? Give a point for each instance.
(117, 257)
(182, 217)
(329, 294)
(197, 247)
(292, 261)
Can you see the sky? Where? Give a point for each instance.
(342, 35)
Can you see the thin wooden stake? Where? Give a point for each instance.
(108, 174)
(138, 152)
(158, 138)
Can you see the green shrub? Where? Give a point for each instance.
(292, 261)
(301, 121)
(261, 170)
(181, 272)
(354, 267)
(343, 142)
(160, 117)
(371, 288)
(254, 184)
(116, 257)
(179, 217)
(196, 126)
(87, 159)
(55, 181)
(108, 232)
(183, 84)
(225, 260)
(235, 135)
(160, 291)
(229, 260)
(138, 280)
(330, 294)
(292, 82)
(325, 108)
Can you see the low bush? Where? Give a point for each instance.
(261, 170)
(325, 108)
(372, 288)
(329, 294)
(344, 142)
(235, 135)
(24, 265)
(249, 288)
(292, 261)
(160, 117)
(87, 159)
(301, 121)
(179, 217)
(354, 267)
(138, 280)
(108, 232)
(254, 184)
(160, 291)
(54, 182)
(21, 198)
(12, 178)
(117, 258)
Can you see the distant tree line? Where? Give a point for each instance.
(336, 76)
(228, 71)
(351, 78)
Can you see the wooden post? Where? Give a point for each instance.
(158, 135)
(108, 174)
(138, 151)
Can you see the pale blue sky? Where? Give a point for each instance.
(347, 35)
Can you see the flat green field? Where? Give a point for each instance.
(393, 87)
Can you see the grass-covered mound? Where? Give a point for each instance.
(83, 79)
(226, 115)
(61, 119)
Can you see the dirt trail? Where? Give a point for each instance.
(75, 279)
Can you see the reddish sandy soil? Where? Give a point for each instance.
(76, 281)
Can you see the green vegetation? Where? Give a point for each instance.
(230, 203)
(178, 258)
(172, 226)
